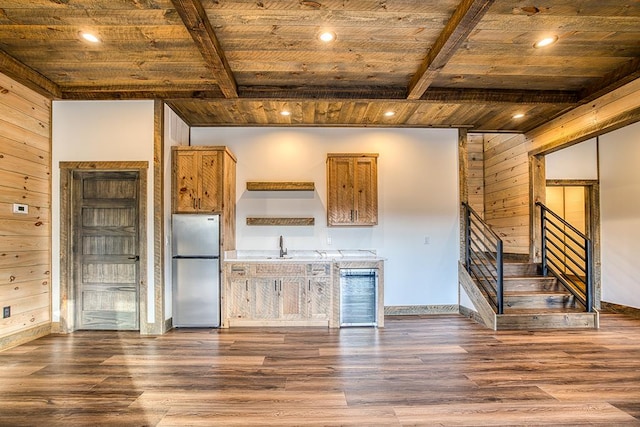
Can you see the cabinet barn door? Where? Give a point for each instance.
(210, 190)
(186, 165)
(239, 300)
(366, 191)
(340, 203)
(319, 297)
(105, 250)
(264, 298)
(293, 298)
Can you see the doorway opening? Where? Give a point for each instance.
(578, 203)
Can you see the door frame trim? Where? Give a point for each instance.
(67, 301)
(593, 205)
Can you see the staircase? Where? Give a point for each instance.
(507, 294)
(532, 301)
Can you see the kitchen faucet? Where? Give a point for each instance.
(283, 251)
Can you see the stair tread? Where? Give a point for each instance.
(536, 292)
(544, 311)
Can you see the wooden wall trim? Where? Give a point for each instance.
(463, 174)
(105, 166)
(485, 314)
(25, 336)
(67, 308)
(28, 77)
(612, 111)
(159, 325)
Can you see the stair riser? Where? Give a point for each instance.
(537, 301)
(520, 269)
(530, 284)
(547, 321)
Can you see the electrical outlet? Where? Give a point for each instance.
(20, 209)
(6, 312)
(427, 240)
(328, 240)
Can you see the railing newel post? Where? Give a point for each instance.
(589, 275)
(500, 274)
(543, 239)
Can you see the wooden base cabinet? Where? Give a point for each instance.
(277, 294)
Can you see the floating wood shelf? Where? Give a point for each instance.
(280, 221)
(280, 186)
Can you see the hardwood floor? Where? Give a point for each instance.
(427, 370)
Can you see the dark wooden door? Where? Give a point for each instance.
(106, 263)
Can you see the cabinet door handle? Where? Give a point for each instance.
(275, 285)
(194, 204)
(246, 285)
(351, 215)
(309, 284)
(199, 203)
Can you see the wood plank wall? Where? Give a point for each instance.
(506, 191)
(475, 180)
(25, 239)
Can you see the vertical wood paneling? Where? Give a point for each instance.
(25, 171)
(475, 168)
(506, 190)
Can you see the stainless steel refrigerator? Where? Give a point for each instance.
(196, 270)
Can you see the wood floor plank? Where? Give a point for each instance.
(516, 414)
(418, 370)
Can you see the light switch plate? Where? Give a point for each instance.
(20, 209)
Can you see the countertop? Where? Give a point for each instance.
(301, 255)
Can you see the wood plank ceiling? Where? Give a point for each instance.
(434, 63)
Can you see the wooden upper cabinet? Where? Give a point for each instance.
(204, 181)
(352, 189)
(199, 179)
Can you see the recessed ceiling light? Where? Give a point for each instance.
(547, 41)
(327, 36)
(389, 113)
(285, 113)
(90, 37)
(518, 115)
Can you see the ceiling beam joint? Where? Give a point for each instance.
(197, 23)
(465, 18)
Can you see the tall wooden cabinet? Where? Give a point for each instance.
(204, 181)
(352, 189)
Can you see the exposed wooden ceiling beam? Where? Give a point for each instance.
(322, 92)
(141, 92)
(195, 19)
(445, 95)
(462, 22)
(619, 77)
(28, 76)
(500, 96)
(213, 93)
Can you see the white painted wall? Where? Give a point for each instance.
(620, 215)
(100, 131)
(578, 162)
(418, 198)
(176, 132)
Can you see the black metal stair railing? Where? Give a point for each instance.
(484, 258)
(567, 254)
